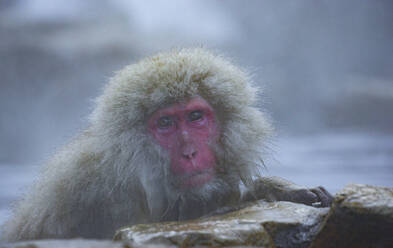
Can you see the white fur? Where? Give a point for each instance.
(113, 174)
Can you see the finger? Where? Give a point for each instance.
(328, 197)
(305, 196)
(324, 197)
(326, 192)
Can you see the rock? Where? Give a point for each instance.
(361, 216)
(279, 224)
(71, 243)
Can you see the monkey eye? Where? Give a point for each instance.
(164, 122)
(195, 115)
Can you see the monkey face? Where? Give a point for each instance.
(187, 130)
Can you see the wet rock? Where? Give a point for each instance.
(361, 216)
(279, 224)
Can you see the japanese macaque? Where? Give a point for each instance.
(171, 138)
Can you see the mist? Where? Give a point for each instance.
(325, 69)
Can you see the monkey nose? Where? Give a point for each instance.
(189, 152)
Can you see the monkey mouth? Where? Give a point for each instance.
(198, 178)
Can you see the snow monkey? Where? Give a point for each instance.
(172, 137)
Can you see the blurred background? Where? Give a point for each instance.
(326, 69)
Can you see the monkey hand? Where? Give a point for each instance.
(278, 189)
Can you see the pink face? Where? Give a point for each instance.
(187, 130)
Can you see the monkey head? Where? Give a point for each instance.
(184, 123)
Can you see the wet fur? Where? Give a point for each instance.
(114, 174)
